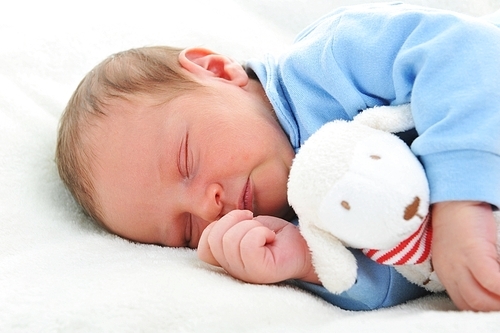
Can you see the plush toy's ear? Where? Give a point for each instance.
(392, 119)
(335, 265)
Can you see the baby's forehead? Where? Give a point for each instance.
(130, 102)
(133, 112)
(132, 106)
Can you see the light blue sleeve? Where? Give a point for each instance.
(446, 65)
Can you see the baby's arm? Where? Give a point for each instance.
(465, 255)
(263, 249)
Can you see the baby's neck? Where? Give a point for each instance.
(255, 87)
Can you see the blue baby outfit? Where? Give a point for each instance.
(446, 64)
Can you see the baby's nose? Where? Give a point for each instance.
(210, 206)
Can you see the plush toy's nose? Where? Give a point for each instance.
(412, 209)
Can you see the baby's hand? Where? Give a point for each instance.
(263, 249)
(465, 256)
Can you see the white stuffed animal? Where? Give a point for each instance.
(355, 184)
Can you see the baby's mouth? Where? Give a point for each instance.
(247, 197)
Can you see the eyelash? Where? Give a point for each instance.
(189, 231)
(183, 162)
(186, 156)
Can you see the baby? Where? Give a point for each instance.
(186, 147)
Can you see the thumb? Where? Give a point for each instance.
(271, 222)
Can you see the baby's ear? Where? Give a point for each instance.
(204, 63)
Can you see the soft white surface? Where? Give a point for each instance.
(58, 273)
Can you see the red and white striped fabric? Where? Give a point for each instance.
(414, 250)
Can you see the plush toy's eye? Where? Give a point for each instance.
(345, 204)
(375, 157)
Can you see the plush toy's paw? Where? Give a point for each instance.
(391, 119)
(335, 265)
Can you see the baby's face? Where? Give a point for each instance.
(163, 173)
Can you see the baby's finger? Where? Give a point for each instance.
(235, 245)
(273, 223)
(486, 279)
(224, 224)
(472, 296)
(253, 244)
(256, 237)
(204, 252)
(211, 244)
(487, 273)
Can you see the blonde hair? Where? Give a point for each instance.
(148, 71)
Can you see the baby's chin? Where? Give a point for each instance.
(286, 213)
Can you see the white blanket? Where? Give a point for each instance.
(60, 273)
